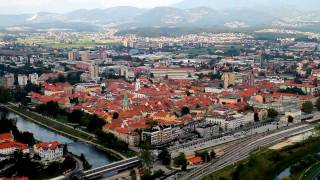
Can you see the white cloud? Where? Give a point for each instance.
(22, 6)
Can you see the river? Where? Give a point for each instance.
(94, 156)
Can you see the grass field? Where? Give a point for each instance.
(267, 164)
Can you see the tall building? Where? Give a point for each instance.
(137, 85)
(125, 102)
(103, 55)
(248, 79)
(94, 71)
(72, 55)
(85, 55)
(228, 79)
(7, 81)
(22, 80)
(125, 43)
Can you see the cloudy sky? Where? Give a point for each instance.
(31, 6)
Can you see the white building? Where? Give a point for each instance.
(22, 80)
(33, 78)
(230, 120)
(49, 151)
(161, 134)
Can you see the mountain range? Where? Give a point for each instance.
(230, 14)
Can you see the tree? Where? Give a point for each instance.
(165, 157)
(181, 161)
(212, 154)
(294, 90)
(95, 123)
(318, 103)
(272, 113)
(103, 89)
(157, 174)
(146, 158)
(204, 156)
(153, 123)
(188, 93)
(133, 174)
(75, 116)
(237, 171)
(185, 110)
(115, 115)
(256, 117)
(41, 108)
(290, 119)
(5, 95)
(52, 108)
(307, 107)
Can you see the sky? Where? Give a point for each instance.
(32, 6)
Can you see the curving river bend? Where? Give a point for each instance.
(94, 156)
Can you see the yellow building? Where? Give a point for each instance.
(228, 79)
(85, 55)
(72, 55)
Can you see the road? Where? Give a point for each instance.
(242, 150)
(116, 166)
(76, 170)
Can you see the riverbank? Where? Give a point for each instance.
(268, 163)
(63, 129)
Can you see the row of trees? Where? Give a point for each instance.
(91, 122)
(18, 94)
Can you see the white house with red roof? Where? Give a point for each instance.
(9, 147)
(49, 151)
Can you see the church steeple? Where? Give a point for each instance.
(125, 102)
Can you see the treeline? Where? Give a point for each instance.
(71, 77)
(91, 122)
(18, 94)
(23, 70)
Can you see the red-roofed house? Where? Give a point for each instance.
(6, 137)
(9, 147)
(49, 151)
(124, 132)
(194, 160)
(51, 89)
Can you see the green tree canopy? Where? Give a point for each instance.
(165, 157)
(185, 110)
(272, 113)
(181, 161)
(307, 107)
(318, 103)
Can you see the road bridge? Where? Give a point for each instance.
(116, 166)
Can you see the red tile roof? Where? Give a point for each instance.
(48, 145)
(13, 144)
(6, 137)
